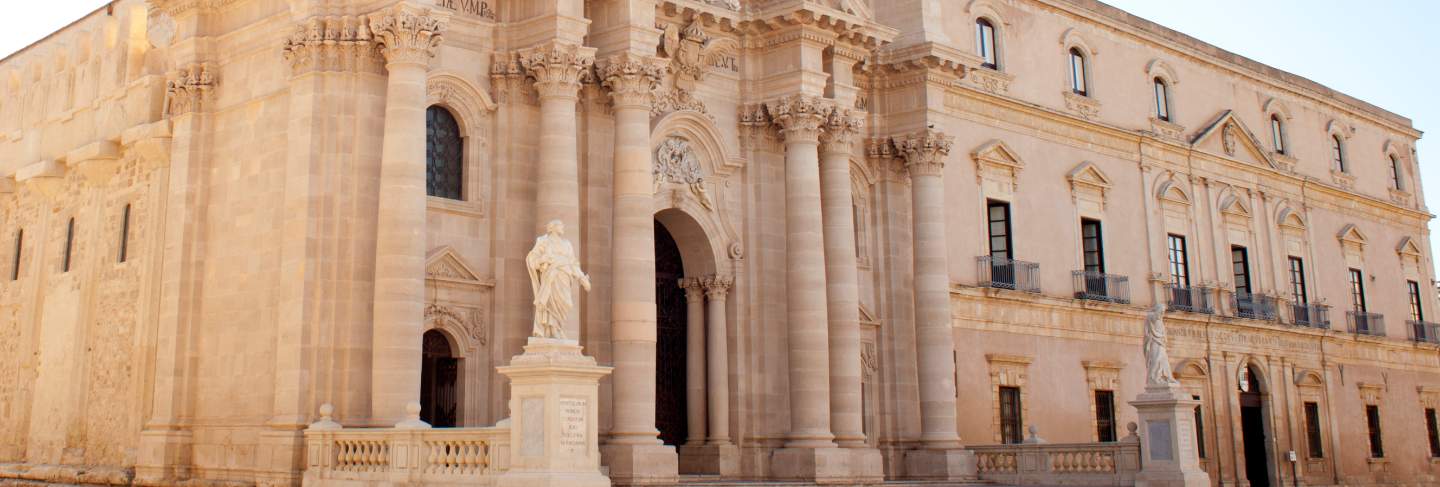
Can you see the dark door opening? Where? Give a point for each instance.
(439, 372)
(1252, 424)
(670, 340)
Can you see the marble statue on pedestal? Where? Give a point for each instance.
(554, 270)
(1157, 359)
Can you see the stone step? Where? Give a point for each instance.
(716, 481)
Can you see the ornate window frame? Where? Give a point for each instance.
(1008, 371)
(1101, 375)
(473, 110)
(1158, 69)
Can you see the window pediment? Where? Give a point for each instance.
(446, 264)
(1351, 235)
(997, 167)
(1408, 248)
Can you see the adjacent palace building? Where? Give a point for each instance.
(837, 240)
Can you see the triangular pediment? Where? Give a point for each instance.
(997, 152)
(1086, 173)
(1233, 205)
(446, 264)
(1408, 247)
(1228, 137)
(1351, 234)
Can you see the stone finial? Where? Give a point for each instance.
(326, 422)
(557, 67)
(407, 34)
(717, 286)
(1130, 433)
(412, 418)
(631, 79)
(800, 117)
(924, 151)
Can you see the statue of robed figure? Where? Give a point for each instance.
(1157, 359)
(554, 270)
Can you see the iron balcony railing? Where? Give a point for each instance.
(1195, 299)
(1099, 286)
(1002, 273)
(1367, 323)
(1310, 315)
(1253, 306)
(1424, 331)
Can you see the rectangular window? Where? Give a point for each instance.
(1372, 422)
(1000, 243)
(1297, 280)
(985, 43)
(19, 245)
(1432, 427)
(1417, 313)
(1010, 421)
(1077, 73)
(1162, 100)
(1357, 290)
(1105, 415)
(125, 233)
(1092, 245)
(1240, 265)
(1179, 262)
(1199, 430)
(1312, 430)
(69, 244)
(1395, 173)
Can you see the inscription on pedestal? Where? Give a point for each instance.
(532, 426)
(1159, 438)
(573, 427)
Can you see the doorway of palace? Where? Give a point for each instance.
(670, 357)
(1252, 425)
(439, 373)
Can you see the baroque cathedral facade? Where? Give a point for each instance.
(844, 241)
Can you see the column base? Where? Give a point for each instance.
(722, 460)
(955, 465)
(164, 457)
(653, 464)
(828, 466)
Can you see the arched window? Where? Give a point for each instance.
(985, 43)
(1337, 155)
(1395, 180)
(1277, 133)
(1079, 74)
(1162, 100)
(444, 154)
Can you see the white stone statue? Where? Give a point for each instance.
(1157, 360)
(553, 273)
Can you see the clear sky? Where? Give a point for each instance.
(1386, 52)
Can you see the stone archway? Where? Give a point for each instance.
(1255, 427)
(439, 381)
(670, 351)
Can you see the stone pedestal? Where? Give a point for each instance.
(829, 466)
(722, 460)
(553, 414)
(1167, 447)
(954, 465)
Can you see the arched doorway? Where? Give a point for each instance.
(1252, 426)
(670, 323)
(439, 373)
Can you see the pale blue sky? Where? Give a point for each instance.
(1386, 52)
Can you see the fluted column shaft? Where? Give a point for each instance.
(632, 307)
(408, 37)
(694, 360)
(924, 154)
(841, 279)
(717, 355)
(557, 69)
(799, 119)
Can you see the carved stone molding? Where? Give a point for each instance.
(675, 163)
(1166, 129)
(1342, 179)
(464, 319)
(841, 127)
(189, 89)
(693, 53)
(340, 43)
(717, 286)
(924, 151)
(800, 117)
(990, 80)
(509, 79)
(408, 35)
(677, 100)
(631, 79)
(558, 68)
(1084, 106)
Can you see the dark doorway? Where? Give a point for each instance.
(439, 371)
(1252, 424)
(670, 341)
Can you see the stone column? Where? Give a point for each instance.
(634, 452)
(717, 355)
(694, 360)
(841, 278)
(408, 37)
(557, 68)
(940, 457)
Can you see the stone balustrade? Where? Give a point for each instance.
(397, 456)
(1089, 464)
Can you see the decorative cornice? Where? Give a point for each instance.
(631, 79)
(189, 89)
(558, 68)
(407, 34)
(800, 117)
(924, 151)
(339, 43)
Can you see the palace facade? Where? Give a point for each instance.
(830, 240)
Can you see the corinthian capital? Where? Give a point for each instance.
(841, 127)
(717, 286)
(408, 34)
(557, 67)
(924, 151)
(189, 89)
(800, 117)
(335, 43)
(631, 79)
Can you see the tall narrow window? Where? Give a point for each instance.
(1277, 133)
(1000, 242)
(985, 43)
(1372, 423)
(124, 233)
(1357, 290)
(1199, 430)
(444, 154)
(1079, 76)
(1433, 431)
(1179, 262)
(1337, 154)
(1417, 313)
(1312, 430)
(1010, 421)
(69, 245)
(1240, 265)
(1297, 280)
(1395, 180)
(19, 246)
(1092, 245)
(1162, 100)
(1105, 415)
